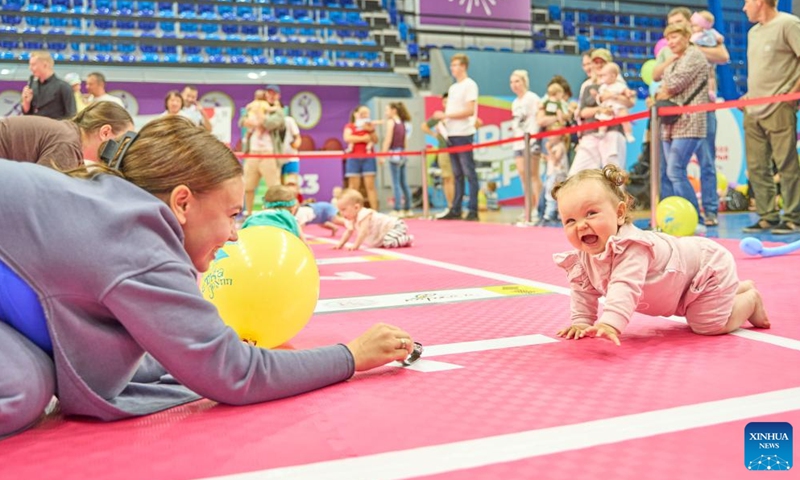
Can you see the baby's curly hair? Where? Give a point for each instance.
(610, 176)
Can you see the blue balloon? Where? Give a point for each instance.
(20, 308)
(753, 246)
(654, 88)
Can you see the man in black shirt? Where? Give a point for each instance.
(47, 95)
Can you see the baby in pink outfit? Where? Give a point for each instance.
(373, 229)
(639, 271)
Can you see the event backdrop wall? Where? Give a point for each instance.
(320, 111)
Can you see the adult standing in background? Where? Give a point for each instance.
(596, 150)
(173, 103)
(770, 129)
(96, 87)
(707, 151)
(686, 83)
(459, 117)
(524, 112)
(360, 137)
(193, 110)
(436, 129)
(74, 81)
(46, 95)
(265, 140)
(290, 167)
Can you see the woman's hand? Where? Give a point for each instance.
(574, 331)
(380, 345)
(662, 94)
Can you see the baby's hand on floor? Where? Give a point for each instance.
(603, 330)
(574, 331)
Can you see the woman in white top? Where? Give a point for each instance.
(524, 109)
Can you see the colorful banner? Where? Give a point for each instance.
(498, 14)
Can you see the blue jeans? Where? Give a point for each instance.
(464, 166)
(551, 207)
(707, 156)
(402, 194)
(674, 179)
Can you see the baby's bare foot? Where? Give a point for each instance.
(759, 317)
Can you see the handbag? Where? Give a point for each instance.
(672, 119)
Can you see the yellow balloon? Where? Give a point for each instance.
(677, 216)
(647, 71)
(265, 286)
(722, 183)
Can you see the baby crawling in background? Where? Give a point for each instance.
(642, 271)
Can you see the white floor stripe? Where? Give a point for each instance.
(347, 276)
(533, 443)
(343, 260)
(484, 345)
(427, 366)
(469, 271)
(431, 297)
(755, 335)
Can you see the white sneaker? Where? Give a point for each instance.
(443, 213)
(408, 214)
(396, 213)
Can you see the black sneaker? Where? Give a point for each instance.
(472, 217)
(451, 215)
(760, 226)
(785, 228)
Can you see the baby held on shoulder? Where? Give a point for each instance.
(641, 271)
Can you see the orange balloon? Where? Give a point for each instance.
(695, 184)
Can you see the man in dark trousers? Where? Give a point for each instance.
(47, 95)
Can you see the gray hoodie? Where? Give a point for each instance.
(107, 261)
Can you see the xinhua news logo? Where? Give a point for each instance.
(768, 446)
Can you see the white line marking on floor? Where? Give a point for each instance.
(481, 452)
(425, 365)
(757, 335)
(750, 334)
(347, 276)
(364, 259)
(434, 297)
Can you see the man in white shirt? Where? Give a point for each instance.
(96, 86)
(459, 118)
(192, 110)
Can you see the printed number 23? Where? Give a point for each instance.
(309, 184)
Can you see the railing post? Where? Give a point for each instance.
(527, 168)
(655, 164)
(425, 198)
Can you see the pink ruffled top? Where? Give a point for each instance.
(640, 271)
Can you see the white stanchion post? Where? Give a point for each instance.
(655, 165)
